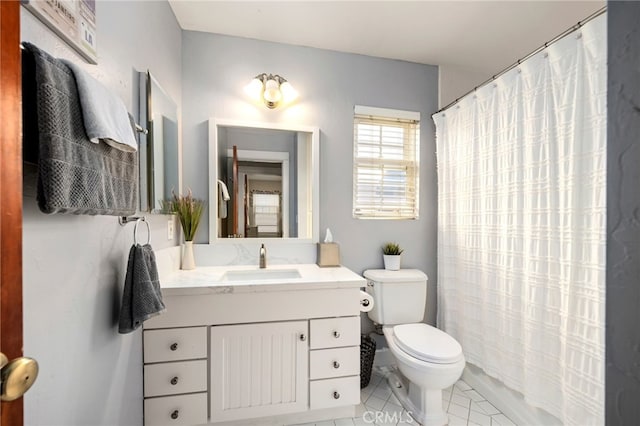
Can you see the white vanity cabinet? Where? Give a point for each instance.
(254, 355)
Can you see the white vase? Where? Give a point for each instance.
(391, 262)
(188, 261)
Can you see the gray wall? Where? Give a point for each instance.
(74, 266)
(623, 225)
(330, 84)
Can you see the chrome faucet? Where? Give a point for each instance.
(263, 257)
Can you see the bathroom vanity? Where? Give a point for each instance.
(277, 345)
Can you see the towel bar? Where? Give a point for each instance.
(139, 129)
(123, 220)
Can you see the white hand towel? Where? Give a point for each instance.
(225, 191)
(104, 114)
(223, 197)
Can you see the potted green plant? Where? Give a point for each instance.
(189, 211)
(391, 254)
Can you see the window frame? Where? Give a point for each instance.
(406, 199)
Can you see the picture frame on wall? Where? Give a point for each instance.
(73, 20)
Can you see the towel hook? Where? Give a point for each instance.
(135, 230)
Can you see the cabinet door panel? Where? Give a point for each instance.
(178, 410)
(175, 377)
(334, 332)
(337, 362)
(259, 370)
(175, 344)
(335, 392)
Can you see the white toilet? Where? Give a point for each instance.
(429, 358)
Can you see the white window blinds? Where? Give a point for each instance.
(266, 209)
(386, 166)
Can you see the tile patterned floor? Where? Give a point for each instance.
(379, 407)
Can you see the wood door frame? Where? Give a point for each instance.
(11, 413)
(234, 201)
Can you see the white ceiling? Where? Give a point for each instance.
(481, 36)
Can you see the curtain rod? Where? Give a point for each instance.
(519, 61)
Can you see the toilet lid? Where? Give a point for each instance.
(428, 343)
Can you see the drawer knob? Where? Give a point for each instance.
(303, 337)
(175, 414)
(336, 334)
(336, 364)
(174, 381)
(336, 395)
(174, 346)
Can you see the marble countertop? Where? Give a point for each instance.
(214, 279)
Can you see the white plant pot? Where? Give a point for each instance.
(391, 262)
(188, 262)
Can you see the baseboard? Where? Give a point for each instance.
(311, 416)
(508, 401)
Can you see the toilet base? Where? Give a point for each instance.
(425, 406)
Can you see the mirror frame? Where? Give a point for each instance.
(214, 125)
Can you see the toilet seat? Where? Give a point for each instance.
(427, 343)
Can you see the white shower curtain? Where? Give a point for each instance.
(521, 226)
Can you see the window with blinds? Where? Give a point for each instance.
(266, 212)
(386, 163)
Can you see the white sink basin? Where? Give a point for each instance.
(261, 274)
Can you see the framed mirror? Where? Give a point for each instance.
(159, 162)
(263, 181)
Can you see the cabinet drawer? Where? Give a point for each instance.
(175, 344)
(175, 377)
(327, 363)
(176, 410)
(334, 392)
(334, 332)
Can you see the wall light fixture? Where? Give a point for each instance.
(273, 90)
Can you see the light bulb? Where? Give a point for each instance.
(288, 92)
(272, 93)
(254, 89)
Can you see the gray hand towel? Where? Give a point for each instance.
(142, 297)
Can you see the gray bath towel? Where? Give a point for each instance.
(142, 297)
(74, 175)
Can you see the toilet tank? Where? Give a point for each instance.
(399, 297)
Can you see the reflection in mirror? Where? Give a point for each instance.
(159, 158)
(263, 181)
